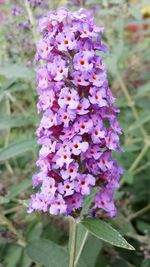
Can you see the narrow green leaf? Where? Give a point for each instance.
(131, 148)
(13, 255)
(17, 149)
(17, 71)
(7, 122)
(25, 260)
(47, 253)
(15, 190)
(104, 231)
(34, 231)
(138, 123)
(7, 84)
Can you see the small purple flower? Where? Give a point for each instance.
(63, 157)
(57, 69)
(77, 146)
(74, 202)
(58, 206)
(83, 125)
(66, 116)
(80, 78)
(66, 41)
(46, 100)
(104, 201)
(83, 106)
(66, 188)
(83, 183)
(44, 49)
(48, 148)
(49, 119)
(98, 96)
(16, 11)
(48, 187)
(68, 98)
(94, 152)
(82, 61)
(71, 172)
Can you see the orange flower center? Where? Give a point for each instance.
(68, 98)
(82, 62)
(61, 70)
(76, 146)
(66, 42)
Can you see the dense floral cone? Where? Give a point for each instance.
(78, 130)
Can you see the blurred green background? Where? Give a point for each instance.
(127, 33)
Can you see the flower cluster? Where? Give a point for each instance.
(78, 129)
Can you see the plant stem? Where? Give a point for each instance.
(73, 240)
(140, 212)
(138, 159)
(131, 103)
(31, 18)
(81, 247)
(142, 168)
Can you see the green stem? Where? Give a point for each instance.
(73, 240)
(81, 247)
(139, 213)
(31, 18)
(138, 159)
(131, 103)
(142, 168)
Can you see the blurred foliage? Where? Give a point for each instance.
(127, 33)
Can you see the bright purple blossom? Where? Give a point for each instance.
(79, 127)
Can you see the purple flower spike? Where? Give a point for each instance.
(79, 127)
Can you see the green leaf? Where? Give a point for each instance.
(104, 231)
(138, 123)
(16, 189)
(47, 253)
(145, 263)
(17, 71)
(25, 260)
(90, 252)
(127, 177)
(82, 234)
(34, 231)
(13, 255)
(17, 149)
(131, 148)
(123, 224)
(7, 122)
